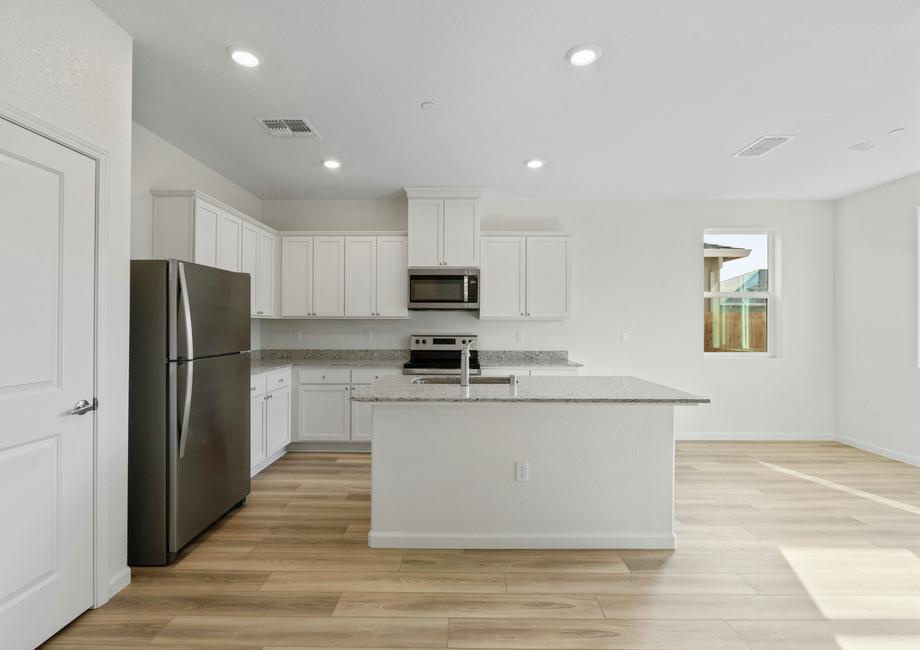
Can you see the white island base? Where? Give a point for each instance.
(600, 475)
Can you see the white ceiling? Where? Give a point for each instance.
(680, 87)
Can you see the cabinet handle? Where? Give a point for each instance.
(281, 381)
(252, 389)
(324, 376)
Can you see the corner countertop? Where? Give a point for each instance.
(616, 390)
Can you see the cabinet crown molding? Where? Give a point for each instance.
(442, 192)
(198, 194)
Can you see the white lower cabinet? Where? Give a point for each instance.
(269, 418)
(325, 412)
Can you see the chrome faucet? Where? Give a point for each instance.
(465, 362)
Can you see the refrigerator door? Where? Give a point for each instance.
(212, 308)
(209, 455)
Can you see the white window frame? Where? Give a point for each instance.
(771, 296)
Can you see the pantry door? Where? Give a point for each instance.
(47, 275)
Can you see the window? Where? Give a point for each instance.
(738, 302)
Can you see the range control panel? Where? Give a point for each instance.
(441, 341)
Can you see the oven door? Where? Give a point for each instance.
(432, 290)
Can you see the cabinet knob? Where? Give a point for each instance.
(324, 376)
(252, 389)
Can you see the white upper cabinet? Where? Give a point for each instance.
(443, 226)
(548, 277)
(229, 239)
(265, 275)
(392, 277)
(426, 220)
(461, 232)
(297, 276)
(329, 276)
(502, 278)
(193, 227)
(249, 261)
(207, 227)
(525, 277)
(360, 277)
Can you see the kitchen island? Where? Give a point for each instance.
(543, 462)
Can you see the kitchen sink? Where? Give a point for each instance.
(450, 379)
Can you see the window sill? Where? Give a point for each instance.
(738, 355)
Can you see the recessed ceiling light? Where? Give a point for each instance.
(332, 163)
(863, 146)
(898, 131)
(243, 57)
(535, 163)
(584, 54)
(429, 106)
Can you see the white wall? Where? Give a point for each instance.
(158, 165)
(637, 267)
(878, 382)
(67, 64)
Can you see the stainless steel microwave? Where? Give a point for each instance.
(443, 288)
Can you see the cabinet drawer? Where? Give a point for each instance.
(278, 379)
(370, 375)
(256, 385)
(325, 376)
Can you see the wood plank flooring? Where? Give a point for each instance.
(780, 546)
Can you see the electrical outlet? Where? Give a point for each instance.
(298, 336)
(624, 337)
(870, 408)
(522, 471)
(519, 337)
(367, 336)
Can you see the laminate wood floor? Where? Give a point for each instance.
(780, 546)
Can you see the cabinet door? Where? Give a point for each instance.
(277, 420)
(360, 277)
(362, 421)
(207, 219)
(547, 277)
(257, 452)
(249, 262)
(501, 282)
(265, 275)
(297, 276)
(325, 412)
(229, 239)
(425, 236)
(328, 276)
(392, 277)
(461, 233)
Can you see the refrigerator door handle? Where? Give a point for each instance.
(186, 410)
(183, 288)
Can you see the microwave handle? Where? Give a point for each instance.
(466, 288)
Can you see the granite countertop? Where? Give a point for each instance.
(622, 390)
(268, 360)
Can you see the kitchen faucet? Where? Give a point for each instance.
(465, 362)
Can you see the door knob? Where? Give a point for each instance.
(83, 407)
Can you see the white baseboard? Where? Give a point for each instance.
(881, 451)
(336, 447)
(465, 541)
(685, 435)
(117, 582)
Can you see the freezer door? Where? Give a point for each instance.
(209, 455)
(212, 311)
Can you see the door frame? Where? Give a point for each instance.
(104, 587)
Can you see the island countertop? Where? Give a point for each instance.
(621, 390)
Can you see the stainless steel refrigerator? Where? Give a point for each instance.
(188, 458)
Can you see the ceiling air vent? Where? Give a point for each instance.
(763, 145)
(289, 128)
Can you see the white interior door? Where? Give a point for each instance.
(47, 220)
